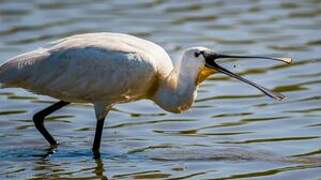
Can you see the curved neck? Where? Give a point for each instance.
(177, 91)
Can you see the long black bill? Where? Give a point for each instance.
(210, 62)
(286, 60)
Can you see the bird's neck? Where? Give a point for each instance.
(178, 90)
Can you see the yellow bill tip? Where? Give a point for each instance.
(287, 60)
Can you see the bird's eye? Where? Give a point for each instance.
(196, 54)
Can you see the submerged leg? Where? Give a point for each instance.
(39, 117)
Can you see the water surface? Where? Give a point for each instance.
(232, 130)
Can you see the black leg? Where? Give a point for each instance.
(101, 111)
(98, 133)
(39, 117)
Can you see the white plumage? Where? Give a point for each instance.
(109, 68)
(89, 68)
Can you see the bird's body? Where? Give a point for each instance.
(109, 68)
(101, 67)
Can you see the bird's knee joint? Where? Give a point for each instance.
(38, 118)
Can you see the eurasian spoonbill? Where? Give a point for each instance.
(109, 68)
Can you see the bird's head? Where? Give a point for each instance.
(204, 61)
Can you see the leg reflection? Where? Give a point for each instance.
(99, 169)
(46, 166)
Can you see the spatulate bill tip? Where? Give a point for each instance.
(274, 95)
(286, 59)
(279, 96)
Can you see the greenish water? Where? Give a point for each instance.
(232, 131)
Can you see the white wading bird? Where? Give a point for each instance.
(109, 68)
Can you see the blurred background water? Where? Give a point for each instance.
(231, 132)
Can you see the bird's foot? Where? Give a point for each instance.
(54, 146)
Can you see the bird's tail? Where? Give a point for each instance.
(17, 69)
(8, 71)
(1, 76)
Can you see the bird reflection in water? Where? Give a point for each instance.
(47, 167)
